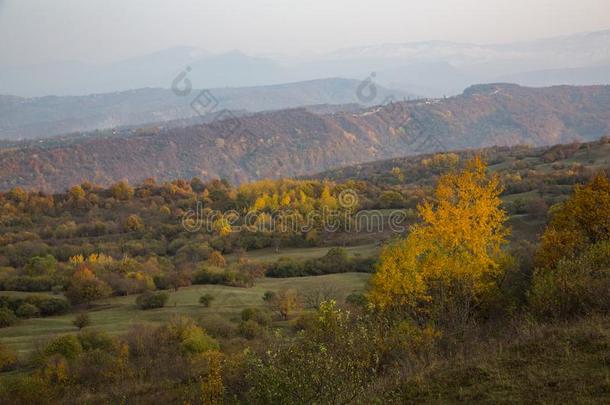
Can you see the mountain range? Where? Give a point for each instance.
(40, 117)
(297, 142)
(428, 68)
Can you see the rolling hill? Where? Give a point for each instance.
(26, 118)
(299, 142)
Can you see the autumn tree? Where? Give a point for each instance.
(85, 287)
(582, 220)
(572, 275)
(133, 223)
(122, 191)
(76, 193)
(454, 256)
(217, 259)
(284, 302)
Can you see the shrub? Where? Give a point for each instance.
(206, 300)
(7, 358)
(330, 362)
(335, 261)
(29, 283)
(257, 315)
(218, 326)
(230, 277)
(575, 286)
(91, 339)
(269, 296)
(67, 345)
(304, 321)
(356, 299)
(51, 306)
(26, 310)
(82, 320)
(7, 317)
(285, 302)
(183, 333)
(216, 259)
(27, 390)
(250, 329)
(150, 300)
(85, 287)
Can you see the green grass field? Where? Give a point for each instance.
(115, 315)
(270, 255)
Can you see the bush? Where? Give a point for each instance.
(335, 261)
(257, 315)
(216, 259)
(250, 329)
(183, 333)
(7, 317)
(26, 389)
(218, 326)
(230, 277)
(51, 306)
(575, 286)
(67, 345)
(269, 296)
(26, 310)
(7, 358)
(304, 321)
(82, 320)
(85, 287)
(150, 300)
(29, 283)
(206, 300)
(356, 299)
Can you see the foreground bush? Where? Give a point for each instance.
(333, 361)
(575, 286)
(573, 263)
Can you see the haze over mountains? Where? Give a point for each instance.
(432, 69)
(26, 118)
(300, 142)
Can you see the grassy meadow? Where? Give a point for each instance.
(115, 315)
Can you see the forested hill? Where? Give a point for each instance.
(298, 142)
(42, 117)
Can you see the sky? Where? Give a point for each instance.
(42, 31)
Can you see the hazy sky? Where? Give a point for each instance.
(34, 31)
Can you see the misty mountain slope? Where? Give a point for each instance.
(429, 68)
(582, 76)
(156, 69)
(22, 118)
(299, 142)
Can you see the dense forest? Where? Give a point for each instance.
(505, 248)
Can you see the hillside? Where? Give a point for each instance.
(298, 142)
(522, 162)
(98, 269)
(41, 117)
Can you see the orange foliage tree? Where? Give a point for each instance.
(454, 255)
